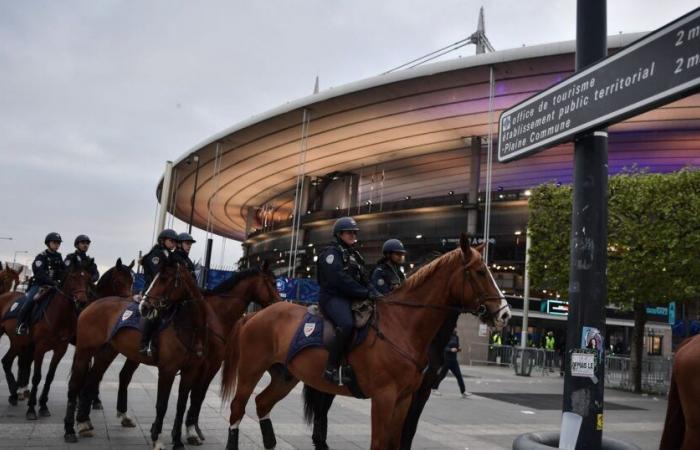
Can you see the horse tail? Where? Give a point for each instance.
(316, 404)
(229, 371)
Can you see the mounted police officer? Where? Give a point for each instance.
(152, 263)
(79, 256)
(342, 279)
(184, 244)
(49, 270)
(388, 275)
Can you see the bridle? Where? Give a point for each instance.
(164, 299)
(481, 311)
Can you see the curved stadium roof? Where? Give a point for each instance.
(411, 125)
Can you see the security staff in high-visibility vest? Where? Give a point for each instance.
(496, 339)
(550, 345)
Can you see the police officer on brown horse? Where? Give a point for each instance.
(49, 270)
(184, 244)
(79, 256)
(152, 263)
(342, 279)
(388, 275)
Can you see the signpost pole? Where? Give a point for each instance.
(588, 284)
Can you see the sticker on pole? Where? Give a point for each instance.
(583, 365)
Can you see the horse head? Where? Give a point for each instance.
(477, 288)
(173, 283)
(264, 287)
(117, 281)
(76, 283)
(9, 277)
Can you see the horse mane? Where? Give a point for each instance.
(421, 275)
(231, 282)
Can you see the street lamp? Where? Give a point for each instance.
(14, 258)
(8, 238)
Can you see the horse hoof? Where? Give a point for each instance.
(178, 445)
(70, 438)
(85, 429)
(193, 440)
(44, 412)
(97, 405)
(13, 400)
(158, 445)
(199, 432)
(127, 422)
(31, 415)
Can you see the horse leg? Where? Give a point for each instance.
(101, 362)
(79, 371)
(165, 385)
(278, 389)
(248, 377)
(316, 407)
(382, 412)
(124, 379)
(96, 402)
(398, 419)
(25, 370)
(36, 379)
(187, 379)
(410, 425)
(199, 391)
(7, 361)
(55, 359)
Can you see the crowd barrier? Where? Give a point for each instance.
(656, 373)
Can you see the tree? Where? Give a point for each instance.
(653, 243)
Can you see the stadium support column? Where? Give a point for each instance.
(474, 178)
(165, 196)
(583, 395)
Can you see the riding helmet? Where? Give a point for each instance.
(168, 233)
(185, 237)
(393, 246)
(345, 224)
(52, 237)
(81, 238)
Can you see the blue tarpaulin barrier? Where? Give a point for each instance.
(298, 289)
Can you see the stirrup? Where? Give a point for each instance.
(22, 330)
(146, 350)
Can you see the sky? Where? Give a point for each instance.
(96, 95)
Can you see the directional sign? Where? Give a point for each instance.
(657, 69)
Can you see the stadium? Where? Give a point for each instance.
(409, 155)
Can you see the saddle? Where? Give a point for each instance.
(42, 299)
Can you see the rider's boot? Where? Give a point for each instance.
(149, 327)
(335, 352)
(23, 319)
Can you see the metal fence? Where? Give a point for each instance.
(656, 374)
(544, 361)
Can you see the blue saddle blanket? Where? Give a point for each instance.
(40, 307)
(310, 334)
(131, 318)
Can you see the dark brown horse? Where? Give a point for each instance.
(682, 427)
(52, 333)
(180, 345)
(9, 278)
(388, 364)
(229, 301)
(115, 281)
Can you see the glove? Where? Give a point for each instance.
(374, 295)
(144, 307)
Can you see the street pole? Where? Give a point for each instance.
(207, 263)
(194, 192)
(526, 292)
(587, 281)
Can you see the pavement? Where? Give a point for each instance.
(502, 406)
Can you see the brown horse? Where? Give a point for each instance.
(180, 345)
(682, 427)
(115, 281)
(53, 332)
(229, 301)
(9, 278)
(388, 364)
